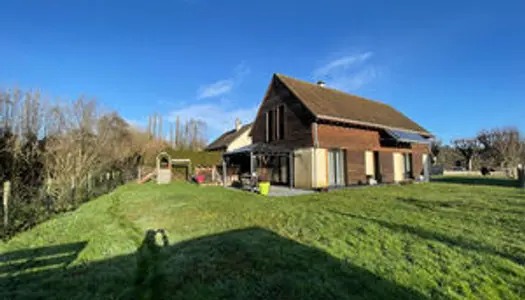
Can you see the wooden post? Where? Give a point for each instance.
(252, 176)
(223, 172)
(89, 183)
(7, 188)
(108, 182)
(290, 170)
(251, 164)
(49, 184)
(521, 176)
(73, 189)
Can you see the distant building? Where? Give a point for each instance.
(233, 139)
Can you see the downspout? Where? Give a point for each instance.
(428, 164)
(316, 145)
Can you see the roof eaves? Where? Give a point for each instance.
(330, 118)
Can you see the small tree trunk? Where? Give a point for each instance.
(7, 189)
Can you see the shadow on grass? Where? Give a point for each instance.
(516, 257)
(490, 181)
(441, 206)
(29, 260)
(251, 263)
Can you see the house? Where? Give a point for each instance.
(311, 136)
(233, 139)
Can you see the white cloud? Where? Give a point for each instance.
(342, 63)
(216, 89)
(223, 86)
(354, 81)
(220, 113)
(348, 73)
(218, 118)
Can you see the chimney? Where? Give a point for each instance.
(237, 124)
(321, 83)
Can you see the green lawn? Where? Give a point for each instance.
(437, 240)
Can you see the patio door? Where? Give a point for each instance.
(336, 167)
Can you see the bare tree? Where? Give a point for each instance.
(150, 127)
(154, 127)
(503, 145)
(160, 134)
(187, 134)
(49, 150)
(172, 135)
(468, 148)
(178, 133)
(435, 149)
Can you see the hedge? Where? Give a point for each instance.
(198, 158)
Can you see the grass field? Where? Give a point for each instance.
(436, 240)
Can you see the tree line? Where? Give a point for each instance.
(179, 135)
(58, 154)
(496, 148)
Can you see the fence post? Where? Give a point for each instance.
(108, 182)
(7, 187)
(89, 184)
(73, 188)
(48, 185)
(521, 176)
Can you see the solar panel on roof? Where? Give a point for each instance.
(408, 137)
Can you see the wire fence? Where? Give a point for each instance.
(24, 207)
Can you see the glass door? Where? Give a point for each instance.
(336, 167)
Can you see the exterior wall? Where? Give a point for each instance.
(303, 162)
(298, 120)
(386, 164)
(332, 136)
(426, 166)
(243, 140)
(418, 152)
(310, 168)
(399, 166)
(320, 175)
(369, 164)
(355, 167)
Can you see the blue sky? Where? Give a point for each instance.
(453, 66)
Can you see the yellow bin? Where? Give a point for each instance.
(264, 188)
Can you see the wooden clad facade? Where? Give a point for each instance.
(297, 123)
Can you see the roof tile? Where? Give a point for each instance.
(325, 102)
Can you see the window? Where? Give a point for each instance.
(280, 122)
(275, 120)
(270, 133)
(336, 167)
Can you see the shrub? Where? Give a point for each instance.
(485, 171)
(198, 158)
